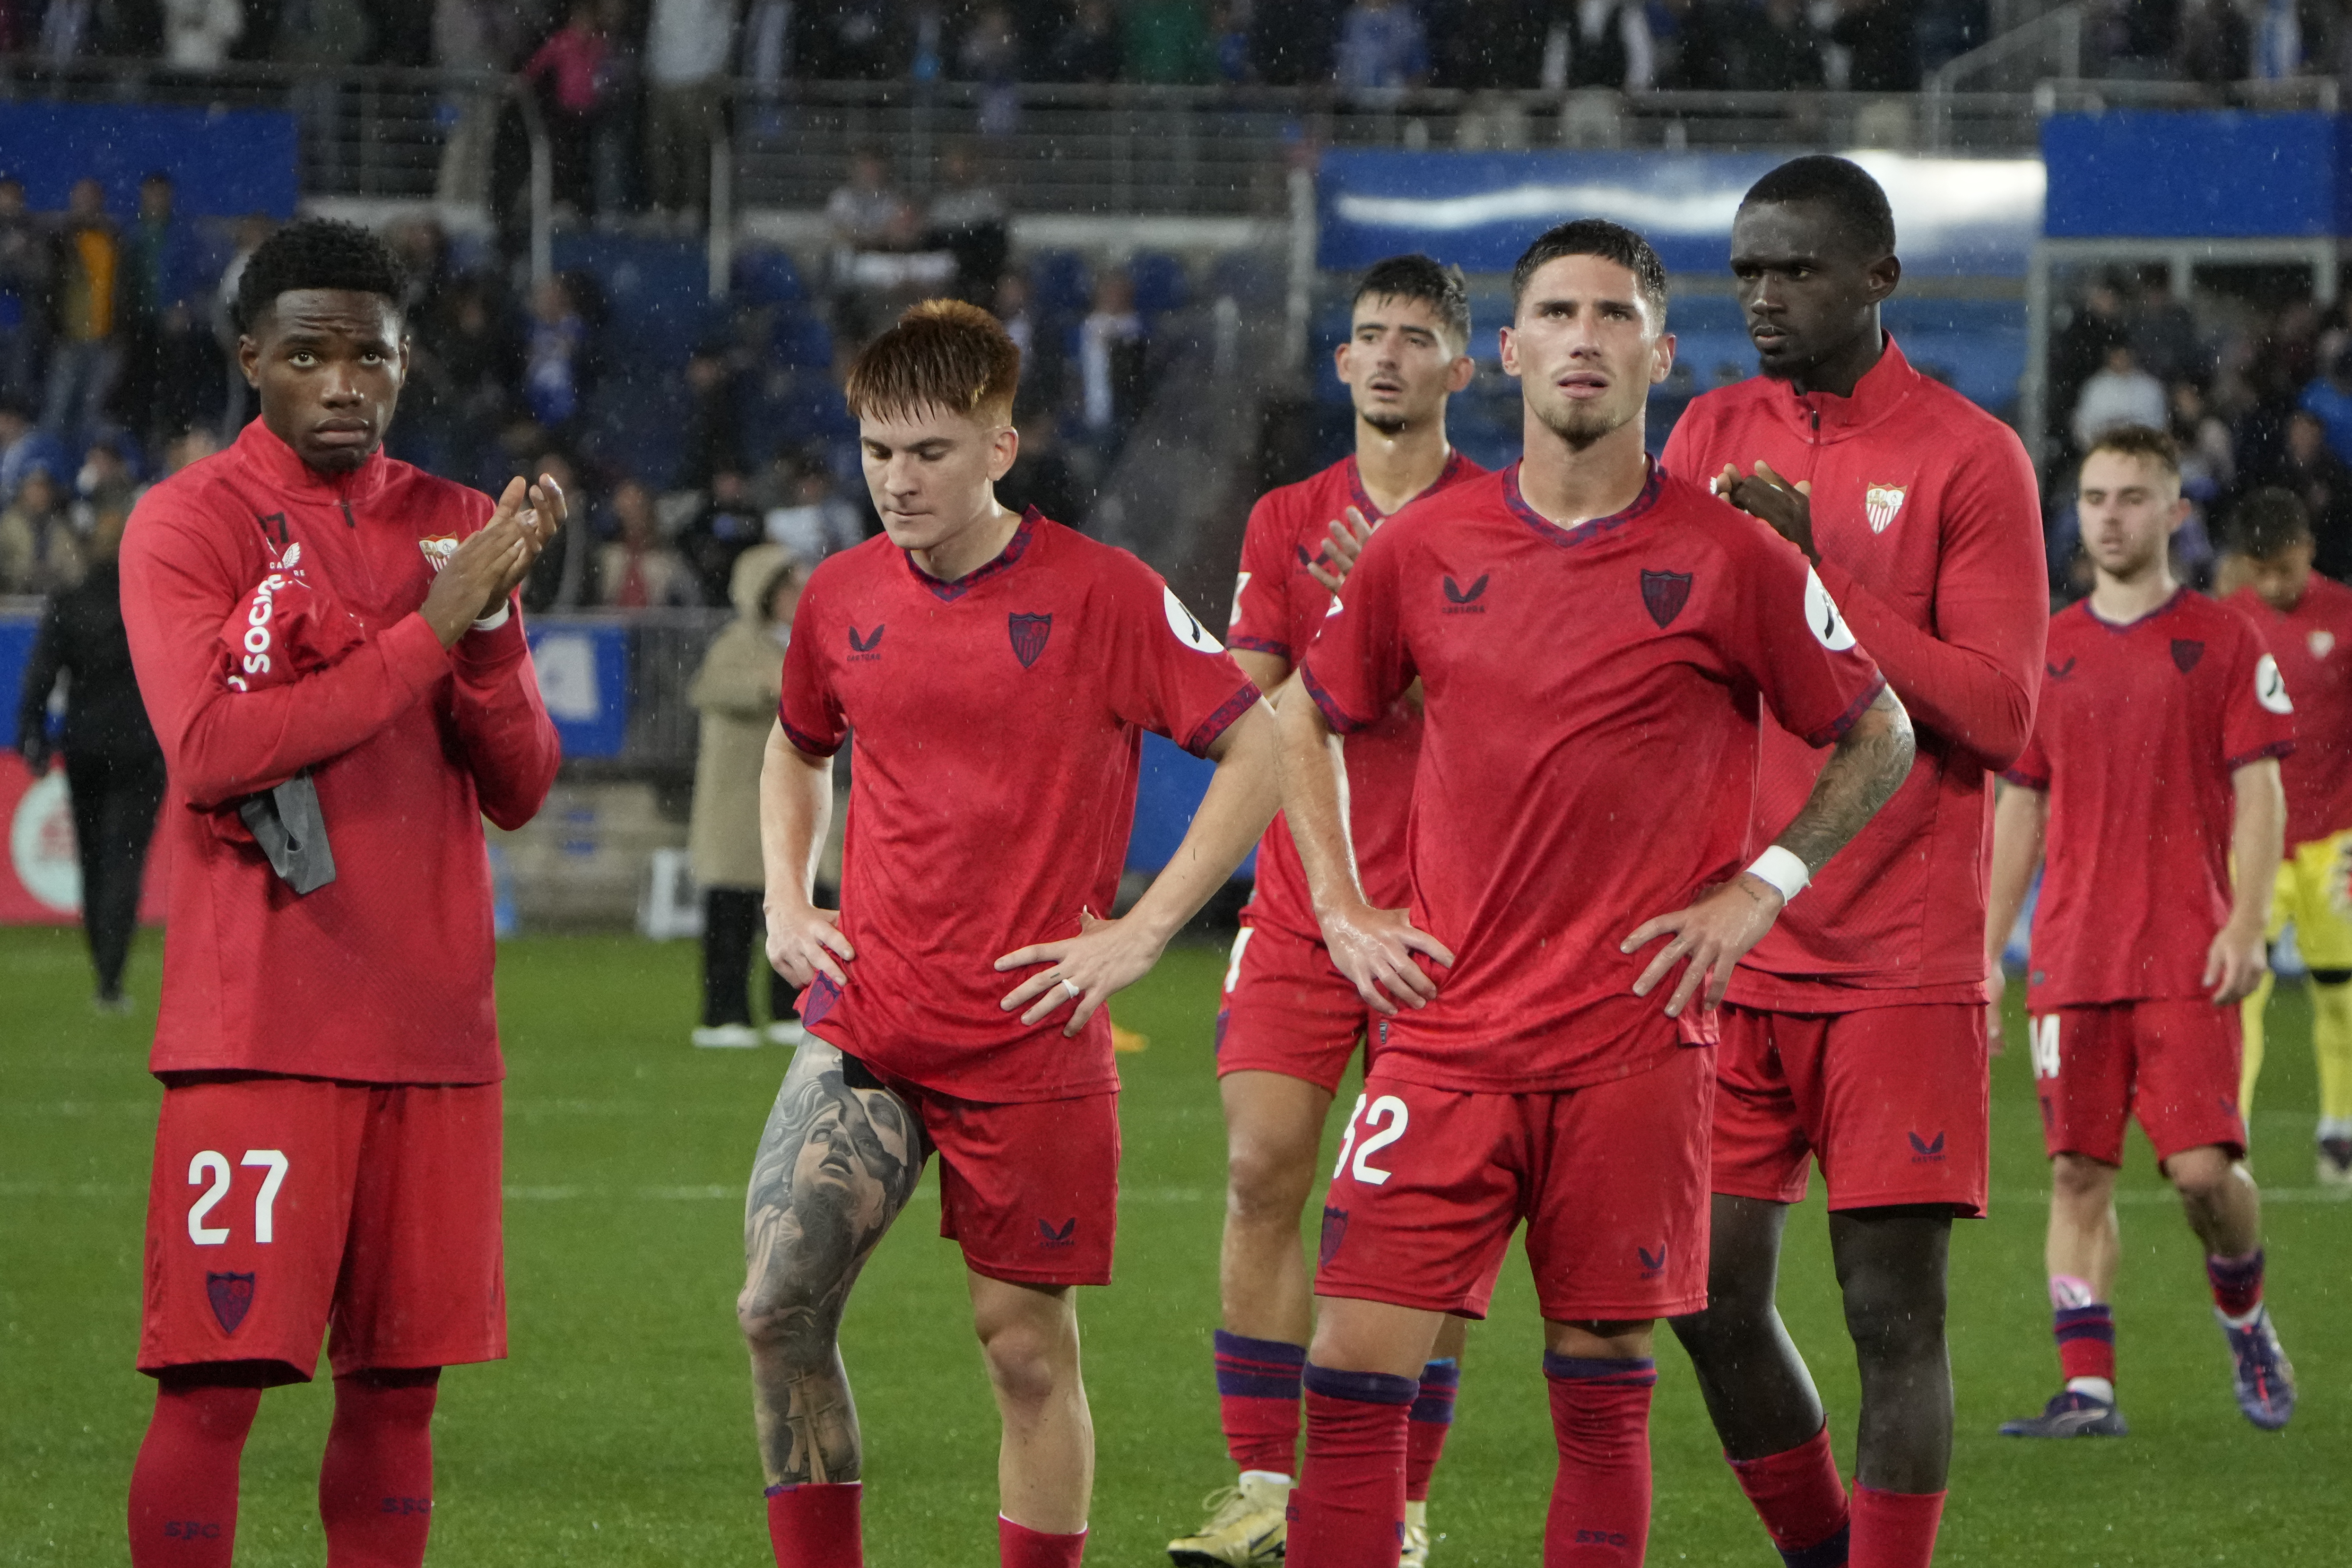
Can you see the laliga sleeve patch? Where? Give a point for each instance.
(1188, 629)
(1240, 586)
(2270, 690)
(1829, 627)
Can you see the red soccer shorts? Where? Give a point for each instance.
(1610, 1179)
(1287, 1009)
(2174, 1063)
(283, 1210)
(1895, 1103)
(1029, 1190)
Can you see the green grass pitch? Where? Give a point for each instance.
(620, 1432)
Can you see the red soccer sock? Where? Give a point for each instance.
(2236, 1282)
(814, 1525)
(1431, 1419)
(1347, 1510)
(184, 1487)
(1894, 1529)
(1600, 1498)
(1257, 1399)
(375, 1484)
(1018, 1546)
(2087, 1342)
(1798, 1496)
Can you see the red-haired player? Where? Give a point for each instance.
(997, 671)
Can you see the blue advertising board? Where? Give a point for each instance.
(1955, 217)
(16, 632)
(2220, 174)
(583, 678)
(224, 162)
(1170, 791)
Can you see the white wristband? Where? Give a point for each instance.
(492, 622)
(1783, 869)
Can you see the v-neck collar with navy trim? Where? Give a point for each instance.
(2180, 597)
(1591, 527)
(1006, 560)
(1371, 509)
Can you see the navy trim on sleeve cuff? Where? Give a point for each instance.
(1261, 645)
(1341, 721)
(1836, 729)
(805, 742)
(2275, 749)
(1205, 734)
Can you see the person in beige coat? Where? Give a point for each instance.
(736, 691)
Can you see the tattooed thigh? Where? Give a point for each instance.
(836, 1163)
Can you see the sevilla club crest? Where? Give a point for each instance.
(1028, 633)
(1879, 504)
(2186, 651)
(1335, 1231)
(231, 1296)
(1663, 594)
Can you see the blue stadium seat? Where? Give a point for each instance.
(1059, 283)
(1161, 284)
(801, 339)
(765, 275)
(656, 290)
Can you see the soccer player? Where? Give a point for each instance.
(1855, 1033)
(2161, 727)
(1594, 638)
(326, 640)
(997, 671)
(2307, 621)
(1290, 1019)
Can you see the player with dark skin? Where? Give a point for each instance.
(328, 365)
(1811, 297)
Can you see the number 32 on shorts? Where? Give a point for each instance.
(1384, 1122)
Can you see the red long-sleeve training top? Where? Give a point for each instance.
(383, 974)
(1929, 523)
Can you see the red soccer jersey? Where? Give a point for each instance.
(1278, 608)
(2140, 728)
(997, 724)
(1928, 524)
(1588, 755)
(382, 975)
(2313, 643)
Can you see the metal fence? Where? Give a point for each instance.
(400, 134)
(390, 133)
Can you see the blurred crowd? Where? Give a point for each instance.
(634, 85)
(117, 366)
(2257, 392)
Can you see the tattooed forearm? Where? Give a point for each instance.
(1869, 765)
(835, 1165)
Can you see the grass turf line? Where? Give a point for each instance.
(620, 1431)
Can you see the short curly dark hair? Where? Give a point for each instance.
(317, 253)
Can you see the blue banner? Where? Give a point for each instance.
(1166, 796)
(223, 163)
(583, 678)
(16, 633)
(1954, 218)
(2152, 174)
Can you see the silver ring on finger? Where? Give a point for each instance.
(1071, 986)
